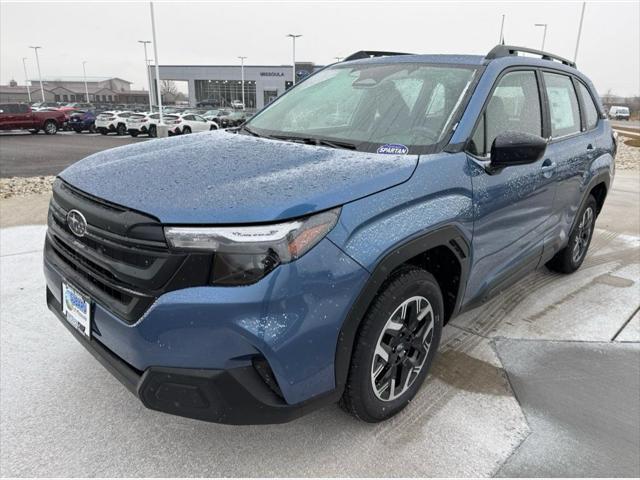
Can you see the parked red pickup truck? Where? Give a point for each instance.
(16, 116)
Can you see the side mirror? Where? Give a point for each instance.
(516, 148)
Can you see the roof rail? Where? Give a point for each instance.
(371, 54)
(500, 51)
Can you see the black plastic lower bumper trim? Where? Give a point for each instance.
(237, 396)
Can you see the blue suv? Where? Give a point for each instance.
(314, 254)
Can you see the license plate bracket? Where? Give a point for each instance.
(76, 307)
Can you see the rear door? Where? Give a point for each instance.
(572, 147)
(512, 206)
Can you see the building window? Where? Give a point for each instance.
(56, 97)
(222, 92)
(65, 98)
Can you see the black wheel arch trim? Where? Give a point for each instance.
(449, 236)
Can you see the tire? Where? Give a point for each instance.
(153, 131)
(121, 129)
(34, 131)
(103, 131)
(186, 130)
(77, 130)
(569, 259)
(133, 134)
(419, 290)
(50, 127)
(213, 127)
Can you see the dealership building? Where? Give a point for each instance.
(223, 83)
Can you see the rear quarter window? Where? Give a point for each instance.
(590, 110)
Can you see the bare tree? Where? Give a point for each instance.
(169, 87)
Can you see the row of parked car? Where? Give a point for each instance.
(181, 121)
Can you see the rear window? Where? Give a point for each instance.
(563, 105)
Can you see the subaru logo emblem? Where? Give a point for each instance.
(77, 223)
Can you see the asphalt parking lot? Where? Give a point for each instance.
(543, 380)
(25, 155)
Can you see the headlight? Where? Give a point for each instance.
(245, 254)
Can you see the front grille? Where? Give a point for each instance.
(123, 261)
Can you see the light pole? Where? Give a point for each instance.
(544, 34)
(86, 89)
(26, 77)
(501, 39)
(242, 78)
(35, 49)
(575, 54)
(161, 131)
(293, 37)
(146, 65)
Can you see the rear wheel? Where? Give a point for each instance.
(569, 259)
(121, 129)
(395, 346)
(186, 130)
(50, 127)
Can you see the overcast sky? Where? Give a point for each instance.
(105, 34)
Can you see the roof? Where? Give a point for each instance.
(20, 89)
(78, 78)
(442, 59)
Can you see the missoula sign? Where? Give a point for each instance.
(271, 74)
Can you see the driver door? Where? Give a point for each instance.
(512, 206)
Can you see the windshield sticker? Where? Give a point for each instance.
(393, 149)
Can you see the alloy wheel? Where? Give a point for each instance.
(581, 242)
(402, 348)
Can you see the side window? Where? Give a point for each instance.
(514, 106)
(563, 105)
(188, 117)
(590, 110)
(23, 108)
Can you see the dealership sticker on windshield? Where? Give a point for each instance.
(393, 149)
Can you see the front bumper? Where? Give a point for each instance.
(291, 318)
(236, 396)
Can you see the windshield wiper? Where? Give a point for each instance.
(251, 132)
(317, 141)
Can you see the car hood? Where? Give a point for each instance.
(226, 178)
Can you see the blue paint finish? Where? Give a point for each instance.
(439, 193)
(511, 219)
(292, 317)
(220, 177)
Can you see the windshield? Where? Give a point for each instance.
(369, 105)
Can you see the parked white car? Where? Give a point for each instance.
(237, 104)
(188, 123)
(139, 123)
(112, 122)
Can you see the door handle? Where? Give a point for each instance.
(548, 167)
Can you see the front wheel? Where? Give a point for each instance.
(569, 259)
(50, 127)
(186, 130)
(121, 129)
(395, 346)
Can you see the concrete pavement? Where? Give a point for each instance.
(488, 408)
